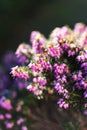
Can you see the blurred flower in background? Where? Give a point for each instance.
(13, 96)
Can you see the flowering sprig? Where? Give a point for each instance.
(58, 65)
(20, 72)
(23, 53)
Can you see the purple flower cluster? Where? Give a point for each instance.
(23, 53)
(7, 112)
(38, 40)
(41, 64)
(11, 91)
(58, 64)
(38, 85)
(20, 72)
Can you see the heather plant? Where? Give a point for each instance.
(56, 68)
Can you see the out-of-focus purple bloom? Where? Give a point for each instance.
(20, 83)
(1, 117)
(18, 108)
(85, 94)
(10, 60)
(24, 128)
(83, 39)
(60, 32)
(8, 115)
(85, 112)
(8, 125)
(83, 65)
(20, 121)
(6, 104)
(79, 28)
(4, 80)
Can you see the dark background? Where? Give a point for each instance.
(19, 17)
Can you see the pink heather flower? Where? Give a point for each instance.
(40, 63)
(8, 125)
(37, 40)
(54, 51)
(85, 94)
(23, 52)
(34, 89)
(1, 117)
(62, 103)
(40, 80)
(24, 128)
(65, 46)
(71, 53)
(18, 108)
(43, 60)
(14, 94)
(35, 67)
(20, 72)
(61, 90)
(55, 32)
(82, 40)
(23, 48)
(77, 76)
(59, 87)
(66, 105)
(60, 69)
(8, 115)
(65, 30)
(20, 121)
(64, 79)
(6, 104)
(81, 58)
(39, 66)
(60, 32)
(79, 28)
(83, 84)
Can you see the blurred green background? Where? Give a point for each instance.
(19, 17)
